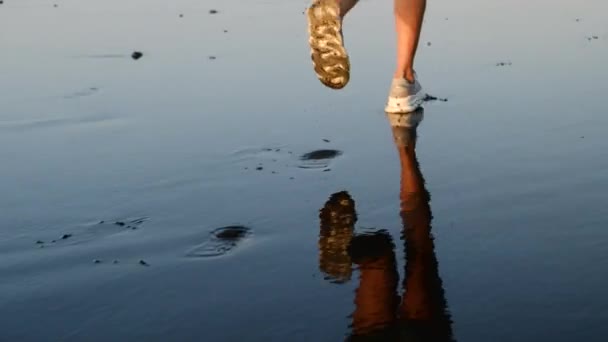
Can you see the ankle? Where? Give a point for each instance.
(407, 74)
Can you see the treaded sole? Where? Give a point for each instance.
(330, 59)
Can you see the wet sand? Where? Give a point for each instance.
(177, 196)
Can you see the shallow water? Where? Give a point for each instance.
(176, 145)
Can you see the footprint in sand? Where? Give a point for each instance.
(94, 231)
(318, 159)
(82, 93)
(220, 241)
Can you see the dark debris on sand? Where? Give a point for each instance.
(213, 11)
(137, 55)
(143, 263)
(502, 64)
(429, 98)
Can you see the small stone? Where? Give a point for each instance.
(66, 236)
(1, 2)
(326, 170)
(292, 178)
(225, 31)
(97, 261)
(115, 262)
(102, 222)
(274, 172)
(326, 140)
(143, 263)
(120, 223)
(39, 242)
(55, 5)
(181, 15)
(137, 55)
(212, 57)
(428, 44)
(259, 168)
(213, 11)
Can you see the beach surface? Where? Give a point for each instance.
(176, 196)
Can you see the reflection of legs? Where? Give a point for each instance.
(408, 24)
(376, 298)
(423, 310)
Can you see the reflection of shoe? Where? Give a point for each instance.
(408, 120)
(404, 126)
(329, 56)
(405, 97)
(338, 219)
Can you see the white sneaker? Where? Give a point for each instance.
(404, 97)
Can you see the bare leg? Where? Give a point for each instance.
(408, 24)
(345, 6)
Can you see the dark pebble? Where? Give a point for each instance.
(137, 55)
(39, 242)
(97, 261)
(102, 222)
(119, 223)
(115, 262)
(274, 172)
(259, 168)
(181, 15)
(428, 44)
(326, 170)
(326, 140)
(143, 263)
(66, 236)
(212, 57)
(55, 5)
(213, 11)
(292, 178)
(225, 31)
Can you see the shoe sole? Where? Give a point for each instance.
(329, 57)
(408, 104)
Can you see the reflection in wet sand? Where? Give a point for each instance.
(338, 219)
(421, 313)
